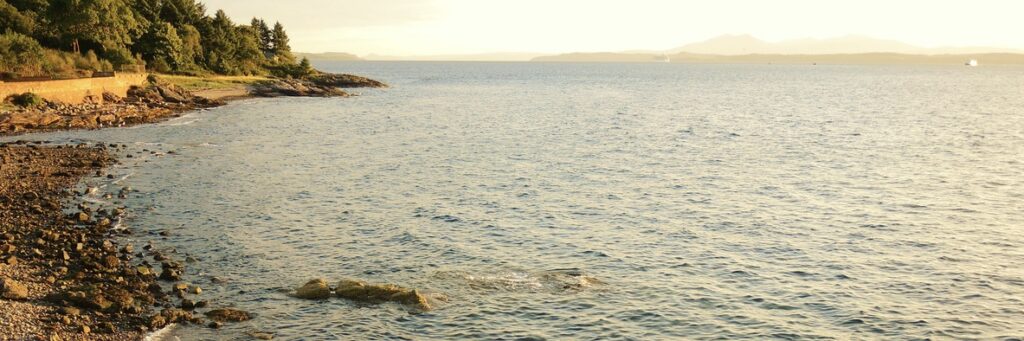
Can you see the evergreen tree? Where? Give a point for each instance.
(265, 35)
(282, 50)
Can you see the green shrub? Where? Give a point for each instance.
(27, 100)
(20, 54)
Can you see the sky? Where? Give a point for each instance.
(438, 27)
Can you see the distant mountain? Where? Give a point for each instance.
(731, 45)
(329, 56)
(479, 57)
(848, 49)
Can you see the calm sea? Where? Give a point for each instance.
(709, 201)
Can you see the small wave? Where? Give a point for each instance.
(163, 334)
(558, 280)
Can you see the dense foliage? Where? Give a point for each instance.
(63, 38)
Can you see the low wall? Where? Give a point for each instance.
(74, 91)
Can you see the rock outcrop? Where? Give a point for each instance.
(344, 81)
(142, 105)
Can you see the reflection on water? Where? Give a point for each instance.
(608, 201)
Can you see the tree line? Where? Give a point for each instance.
(65, 37)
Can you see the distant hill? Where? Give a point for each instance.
(857, 58)
(329, 56)
(730, 45)
(599, 57)
(842, 50)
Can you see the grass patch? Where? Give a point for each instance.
(194, 83)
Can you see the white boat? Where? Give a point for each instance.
(972, 63)
(665, 59)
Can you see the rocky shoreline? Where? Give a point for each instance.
(66, 270)
(161, 100)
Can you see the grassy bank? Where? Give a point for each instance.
(203, 83)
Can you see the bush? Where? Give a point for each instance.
(20, 54)
(27, 100)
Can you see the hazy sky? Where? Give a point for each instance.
(423, 27)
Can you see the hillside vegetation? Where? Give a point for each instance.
(73, 38)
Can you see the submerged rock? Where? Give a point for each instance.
(379, 293)
(316, 289)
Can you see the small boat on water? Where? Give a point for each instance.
(972, 63)
(665, 59)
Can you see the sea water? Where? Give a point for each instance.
(706, 202)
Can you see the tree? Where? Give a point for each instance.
(305, 66)
(12, 19)
(164, 48)
(109, 26)
(264, 34)
(282, 50)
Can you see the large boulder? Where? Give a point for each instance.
(12, 290)
(316, 289)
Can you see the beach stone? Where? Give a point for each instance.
(111, 262)
(70, 311)
(316, 289)
(12, 290)
(228, 315)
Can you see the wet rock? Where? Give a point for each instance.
(170, 274)
(12, 290)
(215, 325)
(188, 304)
(228, 315)
(174, 315)
(180, 287)
(379, 293)
(316, 289)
